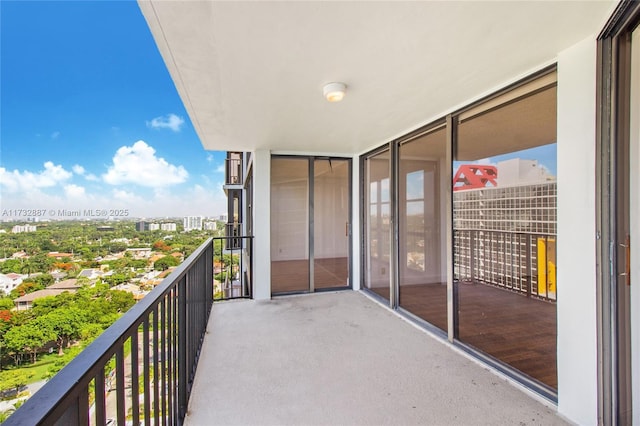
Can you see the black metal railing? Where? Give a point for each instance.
(521, 262)
(232, 266)
(141, 369)
(233, 230)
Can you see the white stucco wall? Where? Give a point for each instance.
(262, 225)
(356, 237)
(576, 252)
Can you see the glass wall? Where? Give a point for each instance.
(476, 204)
(422, 248)
(377, 223)
(289, 225)
(504, 227)
(331, 223)
(310, 210)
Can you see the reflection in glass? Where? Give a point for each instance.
(377, 224)
(422, 266)
(331, 219)
(504, 219)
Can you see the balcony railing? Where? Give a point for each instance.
(232, 265)
(141, 369)
(520, 262)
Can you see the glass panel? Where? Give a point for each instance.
(377, 224)
(289, 224)
(504, 219)
(331, 218)
(422, 266)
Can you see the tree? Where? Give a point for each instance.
(164, 263)
(14, 380)
(11, 265)
(67, 323)
(25, 287)
(28, 339)
(6, 303)
(161, 246)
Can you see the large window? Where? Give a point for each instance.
(422, 230)
(460, 228)
(504, 227)
(377, 264)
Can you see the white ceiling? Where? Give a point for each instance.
(251, 73)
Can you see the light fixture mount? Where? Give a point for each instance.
(334, 92)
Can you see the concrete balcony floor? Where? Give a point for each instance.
(343, 359)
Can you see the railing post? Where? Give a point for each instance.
(182, 349)
(529, 266)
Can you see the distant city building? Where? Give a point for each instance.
(223, 218)
(105, 228)
(192, 223)
(210, 226)
(154, 226)
(23, 228)
(168, 227)
(140, 253)
(142, 226)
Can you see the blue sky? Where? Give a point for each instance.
(90, 118)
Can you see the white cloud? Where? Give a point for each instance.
(74, 191)
(78, 169)
(16, 180)
(91, 177)
(220, 168)
(209, 158)
(138, 164)
(169, 121)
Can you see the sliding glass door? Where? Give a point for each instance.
(422, 226)
(459, 226)
(377, 223)
(310, 230)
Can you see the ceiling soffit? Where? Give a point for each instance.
(250, 74)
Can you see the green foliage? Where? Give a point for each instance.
(165, 263)
(14, 380)
(6, 303)
(66, 322)
(25, 287)
(28, 339)
(11, 265)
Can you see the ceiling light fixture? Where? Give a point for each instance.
(334, 92)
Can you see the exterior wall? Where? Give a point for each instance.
(262, 225)
(577, 321)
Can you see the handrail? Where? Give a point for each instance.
(172, 321)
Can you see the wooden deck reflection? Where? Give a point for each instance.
(293, 275)
(514, 328)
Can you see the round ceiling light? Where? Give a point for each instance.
(334, 92)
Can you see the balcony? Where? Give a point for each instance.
(327, 358)
(233, 170)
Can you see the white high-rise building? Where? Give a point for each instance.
(168, 226)
(192, 223)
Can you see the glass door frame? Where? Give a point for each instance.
(533, 83)
(311, 221)
(612, 141)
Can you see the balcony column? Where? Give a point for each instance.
(356, 237)
(262, 225)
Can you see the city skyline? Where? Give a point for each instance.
(91, 120)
